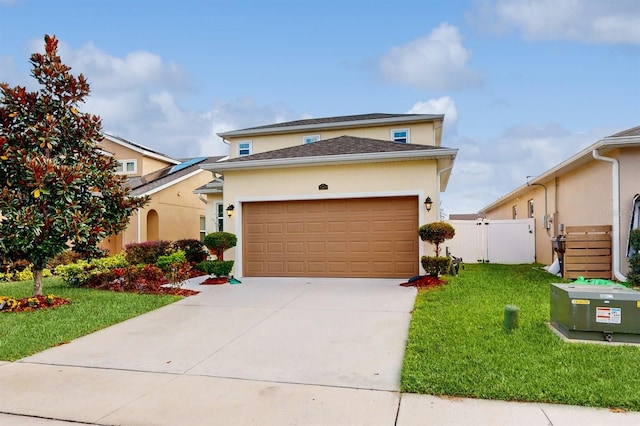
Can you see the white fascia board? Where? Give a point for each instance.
(333, 159)
(333, 125)
(171, 183)
(141, 150)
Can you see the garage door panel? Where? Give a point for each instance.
(316, 227)
(295, 227)
(373, 237)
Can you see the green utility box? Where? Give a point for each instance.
(596, 312)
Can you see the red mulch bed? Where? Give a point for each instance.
(425, 282)
(37, 303)
(215, 281)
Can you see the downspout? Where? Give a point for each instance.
(440, 172)
(138, 233)
(615, 189)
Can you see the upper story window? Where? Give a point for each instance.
(530, 208)
(400, 135)
(310, 139)
(244, 148)
(514, 212)
(127, 167)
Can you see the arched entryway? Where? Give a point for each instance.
(153, 226)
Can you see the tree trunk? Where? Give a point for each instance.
(37, 282)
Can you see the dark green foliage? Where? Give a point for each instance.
(58, 188)
(435, 266)
(147, 252)
(436, 233)
(219, 268)
(633, 277)
(194, 250)
(218, 242)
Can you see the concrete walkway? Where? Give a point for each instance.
(264, 352)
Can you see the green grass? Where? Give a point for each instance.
(457, 346)
(25, 333)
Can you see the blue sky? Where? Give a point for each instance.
(523, 84)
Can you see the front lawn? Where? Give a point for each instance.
(25, 333)
(457, 346)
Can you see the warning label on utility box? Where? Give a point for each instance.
(608, 315)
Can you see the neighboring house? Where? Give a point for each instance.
(595, 187)
(174, 211)
(330, 197)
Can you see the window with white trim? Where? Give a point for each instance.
(530, 212)
(203, 227)
(220, 216)
(244, 148)
(400, 135)
(514, 212)
(310, 139)
(127, 167)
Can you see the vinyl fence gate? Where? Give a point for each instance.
(495, 241)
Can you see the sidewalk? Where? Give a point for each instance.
(310, 352)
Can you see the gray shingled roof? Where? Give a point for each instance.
(143, 184)
(342, 145)
(634, 131)
(344, 121)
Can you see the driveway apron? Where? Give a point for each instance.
(266, 351)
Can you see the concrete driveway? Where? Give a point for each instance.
(267, 351)
(264, 352)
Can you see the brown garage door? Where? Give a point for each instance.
(363, 237)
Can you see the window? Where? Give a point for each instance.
(244, 148)
(514, 212)
(220, 216)
(530, 203)
(310, 139)
(126, 167)
(400, 135)
(203, 227)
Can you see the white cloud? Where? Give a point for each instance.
(437, 61)
(487, 170)
(444, 105)
(139, 98)
(587, 21)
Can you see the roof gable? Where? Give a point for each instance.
(140, 149)
(160, 179)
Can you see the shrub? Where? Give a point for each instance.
(65, 258)
(218, 242)
(147, 252)
(436, 233)
(165, 263)
(82, 271)
(219, 268)
(633, 277)
(194, 250)
(435, 266)
(175, 267)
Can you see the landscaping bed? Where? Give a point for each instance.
(457, 345)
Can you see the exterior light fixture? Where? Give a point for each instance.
(428, 203)
(230, 210)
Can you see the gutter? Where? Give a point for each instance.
(440, 172)
(615, 189)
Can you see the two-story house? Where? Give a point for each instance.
(174, 211)
(330, 197)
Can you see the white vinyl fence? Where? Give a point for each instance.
(495, 241)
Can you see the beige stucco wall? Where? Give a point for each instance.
(178, 209)
(420, 133)
(344, 181)
(576, 198)
(629, 187)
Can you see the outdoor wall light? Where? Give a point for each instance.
(230, 210)
(428, 203)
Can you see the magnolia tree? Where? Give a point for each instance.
(59, 189)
